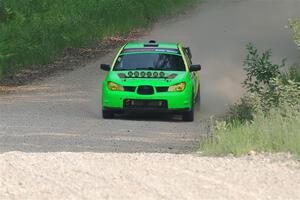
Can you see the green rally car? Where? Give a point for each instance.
(152, 76)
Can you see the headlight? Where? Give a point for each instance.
(177, 88)
(114, 87)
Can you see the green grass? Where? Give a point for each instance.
(265, 134)
(36, 31)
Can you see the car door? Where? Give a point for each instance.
(194, 75)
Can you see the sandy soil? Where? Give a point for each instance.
(145, 176)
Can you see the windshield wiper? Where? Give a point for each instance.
(145, 68)
(152, 68)
(122, 69)
(148, 68)
(131, 69)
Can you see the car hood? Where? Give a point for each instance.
(136, 78)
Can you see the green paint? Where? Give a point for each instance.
(183, 100)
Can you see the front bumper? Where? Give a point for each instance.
(176, 101)
(145, 110)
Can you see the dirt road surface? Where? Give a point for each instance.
(61, 114)
(146, 176)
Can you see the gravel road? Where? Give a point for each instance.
(146, 176)
(61, 114)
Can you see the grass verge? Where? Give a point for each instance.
(274, 133)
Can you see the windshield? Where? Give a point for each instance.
(150, 61)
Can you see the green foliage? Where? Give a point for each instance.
(292, 74)
(267, 85)
(281, 95)
(242, 111)
(259, 69)
(6, 14)
(262, 83)
(36, 31)
(295, 27)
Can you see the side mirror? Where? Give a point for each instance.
(105, 67)
(194, 68)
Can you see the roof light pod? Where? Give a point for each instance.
(130, 74)
(136, 74)
(162, 74)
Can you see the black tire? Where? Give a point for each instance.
(106, 114)
(188, 116)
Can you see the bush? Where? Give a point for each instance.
(295, 27)
(259, 82)
(267, 85)
(292, 74)
(260, 70)
(280, 94)
(242, 111)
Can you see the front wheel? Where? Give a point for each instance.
(106, 114)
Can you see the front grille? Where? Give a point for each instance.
(162, 89)
(145, 104)
(129, 88)
(145, 90)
